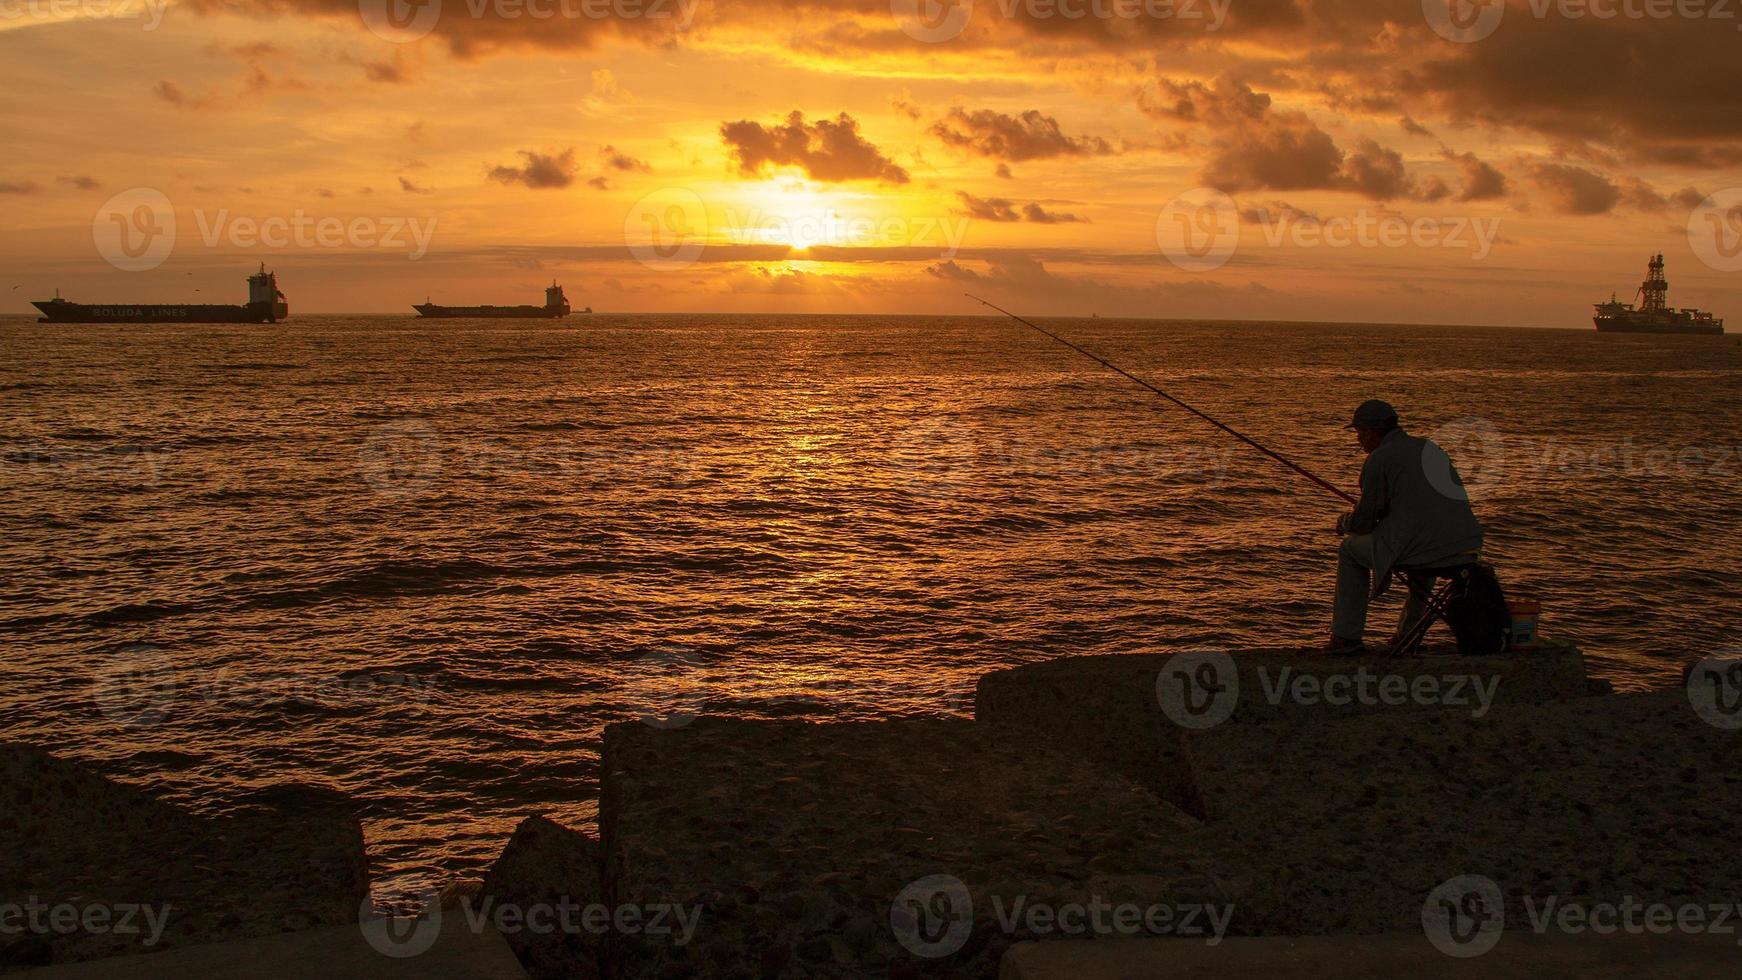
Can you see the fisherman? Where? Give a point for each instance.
(1413, 513)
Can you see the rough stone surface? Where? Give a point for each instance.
(548, 866)
(292, 859)
(1516, 956)
(1346, 826)
(1108, 708)
(797, 839)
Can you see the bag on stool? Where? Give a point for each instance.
(1477, 613)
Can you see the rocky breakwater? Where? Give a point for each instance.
(92, 868)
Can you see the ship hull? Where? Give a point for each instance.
(1626, 325)
(65, 312)
(432, 311)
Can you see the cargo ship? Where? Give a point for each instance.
(555, 305)
(265, 305)
(1654, 314)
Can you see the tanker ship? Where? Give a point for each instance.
(555, 305)
(265, 305)
(1654, 314)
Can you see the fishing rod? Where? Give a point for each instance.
(1218, 423)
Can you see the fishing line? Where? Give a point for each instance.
(1218, 423)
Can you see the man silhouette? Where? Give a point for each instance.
(1413, 512)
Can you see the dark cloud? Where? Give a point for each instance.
(1574, 190)
(1035, 213)
(618, 160)
(18, 187)
(988, 208)
(1375, 171)
(1687, 198)
(1003, 171)
(828, 149)
(541, 171)
(1413, 128)
(1004, 209)
(81, 182)
(598, 183)
(1030, 136)
(1481, 181)
(410, 188)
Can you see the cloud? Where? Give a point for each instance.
(830, 150)
(599, 183)
(1004, 209)
(1030, 136)
(1481, 181)
(1574, 190)
(1003, 171)
(1412, 127)
(1375, 171)
(24, 187)
(988, 208)
(541, 171)
(1034, 212)
(618, 160)
(411, 188)
(80, 182)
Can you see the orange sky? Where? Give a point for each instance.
(1350, 159)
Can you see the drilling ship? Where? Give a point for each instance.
(1654, 314)
(555, 305)
(265, 305)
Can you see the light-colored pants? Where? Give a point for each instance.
(1354, 584)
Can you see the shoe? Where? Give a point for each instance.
(1341, 646)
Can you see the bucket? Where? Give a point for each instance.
(1525, 610)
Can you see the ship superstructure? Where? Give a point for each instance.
(1654, 314)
